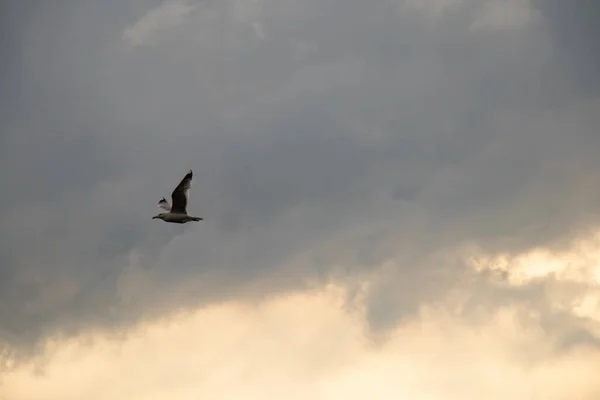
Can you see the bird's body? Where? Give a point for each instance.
(177, 218)
(177, 213)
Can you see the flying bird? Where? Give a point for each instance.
(177, 212)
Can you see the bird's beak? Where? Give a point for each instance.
(156, 216)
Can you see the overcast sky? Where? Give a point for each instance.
(400, 198)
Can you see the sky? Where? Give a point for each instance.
(400, 199)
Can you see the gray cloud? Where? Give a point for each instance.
(574, 29)
(350, 121)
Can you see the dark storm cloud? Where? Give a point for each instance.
(348, 115)
(575, 29)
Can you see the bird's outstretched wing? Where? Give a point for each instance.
(180, 194)
(164, 204)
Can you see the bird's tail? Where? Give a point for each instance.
(197, 219)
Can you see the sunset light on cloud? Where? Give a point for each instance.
(305, 345)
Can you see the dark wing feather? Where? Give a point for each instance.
(180, 194)
(164, 204)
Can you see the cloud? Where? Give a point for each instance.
(500, 15)
(574, 29)
(304, 345)
(434, 9)
(356, 143)
(168, 15)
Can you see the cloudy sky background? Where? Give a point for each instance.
(400, 199)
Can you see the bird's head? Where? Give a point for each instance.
(159, 216)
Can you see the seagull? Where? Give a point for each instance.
(177, 213)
